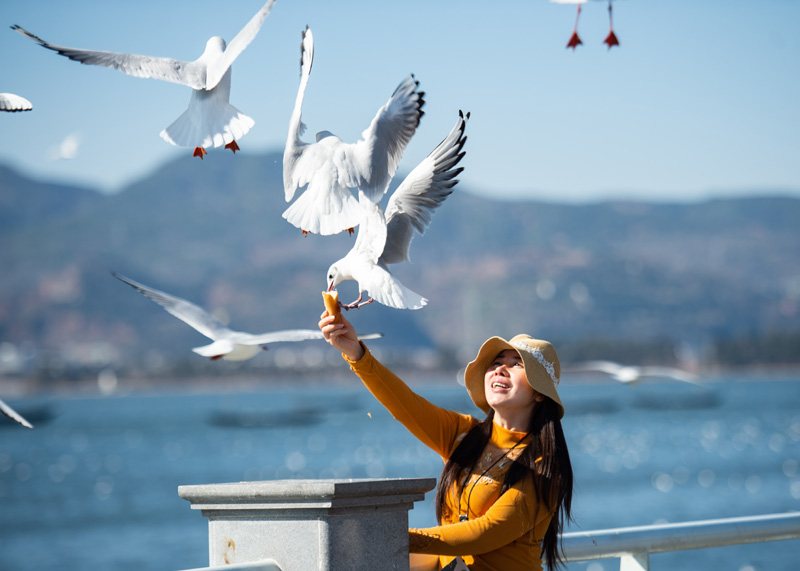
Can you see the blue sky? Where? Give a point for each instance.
(699, 100)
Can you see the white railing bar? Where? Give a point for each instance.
(620, 542)
(263, 565)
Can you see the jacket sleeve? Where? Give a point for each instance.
(509, 518)
(436, 427)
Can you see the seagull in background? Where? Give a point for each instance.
(227, 344)
(574, 40)
(66, 149)
(385, 238)
(14, 415)
(330, 167)
(629, 374)
(13, 103)
(210, 121)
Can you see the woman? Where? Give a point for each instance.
(506, 489)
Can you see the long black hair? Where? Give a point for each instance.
(552, 475)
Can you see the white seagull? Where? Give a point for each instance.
(331, 168)
(385, 238)
(228, 344)
(210, 121)
(630, 374)
(13, 103)
(14, 415)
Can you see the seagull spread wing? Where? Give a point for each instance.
(14, 415)
(10, 102)
(670, 373)
(236, 46)
(192, 74)
(412, 205)
(184, 310)
(608, 367)
(279, 336)
(386, 138)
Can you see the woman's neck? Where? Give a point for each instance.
(516, 421)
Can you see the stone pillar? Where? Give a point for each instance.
(305, 525)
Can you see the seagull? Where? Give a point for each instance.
(574, 40)
(330, 167)
(210, 121)
(629, 374)
(14, 415)
(13, 103)
(385, 238)
(227, 344)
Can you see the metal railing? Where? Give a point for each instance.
(633, 545)
(264, 565)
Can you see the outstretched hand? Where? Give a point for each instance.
(342, 336)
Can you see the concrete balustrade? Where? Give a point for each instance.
(305, 525)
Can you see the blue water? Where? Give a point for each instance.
(95, 485)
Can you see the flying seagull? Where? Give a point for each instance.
(210, 121)
(574, 40)
(227, 344)
(13, 103)
(630, 374)
(385, 238)
(14, 415)
(330, 168)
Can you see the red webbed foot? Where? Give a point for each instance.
(199, 152)
(233, 147)
(574, 41)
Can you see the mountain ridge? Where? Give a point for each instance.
(211, 232)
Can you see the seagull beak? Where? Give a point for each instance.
(330, 287)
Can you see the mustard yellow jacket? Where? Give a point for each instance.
(502, 532)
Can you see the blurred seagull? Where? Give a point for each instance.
(385, 239)
(228, 344)
(330, 167)
(13, 103)
(66, 149)
(574, 40)
(630, 374)
(14, 415)
(210, 121)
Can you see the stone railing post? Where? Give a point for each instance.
(305, 525)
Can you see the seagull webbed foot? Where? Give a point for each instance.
(611, 39)
(574, 41)
(233, 147)
(357, 303)
(199, 152)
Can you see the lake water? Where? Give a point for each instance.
(95, 485)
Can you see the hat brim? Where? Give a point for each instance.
(474, 375)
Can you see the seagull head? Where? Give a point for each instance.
(214, 47)
(334, 278)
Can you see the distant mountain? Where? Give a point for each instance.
(24, 202)
(211, 231)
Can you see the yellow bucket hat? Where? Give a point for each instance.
(539, 358)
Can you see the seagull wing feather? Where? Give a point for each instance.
(237, 45)
(192, 74)
(11, 102)
(14, 415)
(387, 136)
(184, 310)
(412, 205)
(285, 335)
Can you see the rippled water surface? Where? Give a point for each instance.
(94, 486)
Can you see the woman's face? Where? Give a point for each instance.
(506, 385)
